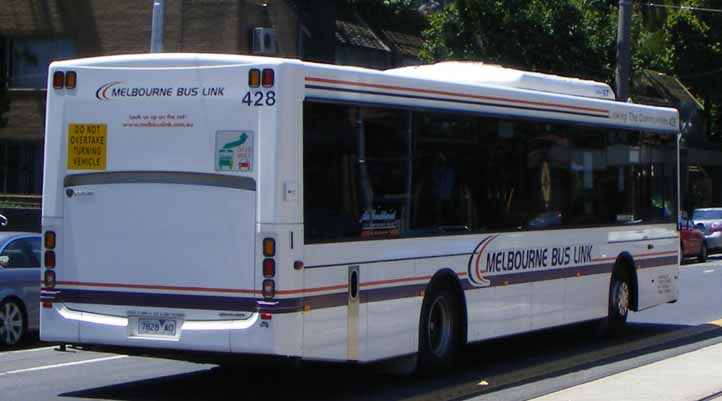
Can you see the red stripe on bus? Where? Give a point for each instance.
(463, 95)
(157, 287)
(240, 291)
(396, 280)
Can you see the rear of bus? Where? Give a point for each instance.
(165, 225)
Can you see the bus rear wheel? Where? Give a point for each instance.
(439, 331)
(620, 299)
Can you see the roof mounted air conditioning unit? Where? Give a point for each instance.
(263, 41)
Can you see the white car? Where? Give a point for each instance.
(709, 220)
(19, 285)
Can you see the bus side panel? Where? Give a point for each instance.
(586, 297)
(548, 307)
(286, 121)
(392, 323)
(325, 328)
(658, 285)
(481, 313)
(53, 165)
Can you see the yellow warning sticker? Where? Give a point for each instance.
(87, 146)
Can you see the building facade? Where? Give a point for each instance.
(35, 32)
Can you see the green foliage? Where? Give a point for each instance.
(578, 38)
(541, 35)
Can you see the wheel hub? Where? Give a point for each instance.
(439, 327)
(12, 324)
(622, 298)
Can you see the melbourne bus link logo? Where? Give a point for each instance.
(476, 273)
(535, 262)
(119, 89)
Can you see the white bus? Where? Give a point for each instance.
(234, 204)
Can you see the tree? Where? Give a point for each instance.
(541, 35)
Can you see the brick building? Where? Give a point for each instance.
(34, 32)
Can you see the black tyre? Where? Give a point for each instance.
(702, 257)
(12, 323)
(620, 298)
(439, 331)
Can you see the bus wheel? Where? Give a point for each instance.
(439, 339)
(702, 257)
(620, 297)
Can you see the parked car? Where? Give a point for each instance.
(709, 220)
(692, 243)
(19, 285)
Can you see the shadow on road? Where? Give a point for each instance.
(496, 364)
(29, 341)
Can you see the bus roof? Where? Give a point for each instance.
(475, 80)
(488, 74)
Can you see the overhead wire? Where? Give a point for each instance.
(689, 8)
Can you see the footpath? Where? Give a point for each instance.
(694, 376)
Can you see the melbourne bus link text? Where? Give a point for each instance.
(521, 259)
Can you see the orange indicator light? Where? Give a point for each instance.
(71, 78)
(254, 78)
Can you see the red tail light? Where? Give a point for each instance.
(50, 259)
(58, 79)
(268, 78)
(266, 315)
(269, 268)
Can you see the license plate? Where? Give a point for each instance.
(157, 327)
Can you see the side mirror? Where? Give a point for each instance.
(4, 261)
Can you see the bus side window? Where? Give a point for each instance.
(331, 209)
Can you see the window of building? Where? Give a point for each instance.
(21, 167)
(30, 58)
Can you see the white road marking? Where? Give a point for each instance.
(60, 365)
(708, 271)
(27, 350)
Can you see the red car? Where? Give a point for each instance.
(692, 241)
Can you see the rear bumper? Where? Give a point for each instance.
(248, 336)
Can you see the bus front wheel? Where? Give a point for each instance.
(439, 331)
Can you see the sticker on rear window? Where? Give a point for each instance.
(234, 151)
(87, 145)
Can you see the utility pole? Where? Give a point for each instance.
(624, 35)
(156, 34)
